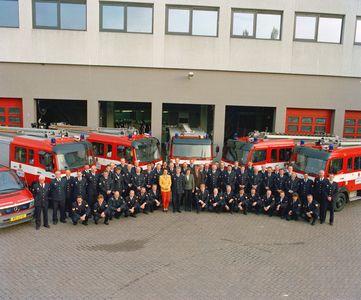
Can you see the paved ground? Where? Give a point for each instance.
(185, 256)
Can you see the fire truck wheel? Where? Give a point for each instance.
(340, 202)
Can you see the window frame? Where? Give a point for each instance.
(58, 2)
(18, 17)
(358, 18)
(125, 5)
(318, 16)
(255, 13)
(190, 8)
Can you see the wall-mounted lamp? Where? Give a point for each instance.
(190, 75)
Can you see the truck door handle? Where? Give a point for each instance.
(39, 172)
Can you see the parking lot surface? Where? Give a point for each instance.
(184, 256)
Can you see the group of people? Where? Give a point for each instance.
(128, 190)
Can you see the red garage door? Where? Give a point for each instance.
(352, 125)
(11, 112)
(299, 120)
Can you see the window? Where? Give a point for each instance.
(20, 154)
(305, 128)
(285, 154)
(320, 128)
(59, 14)
(320, 121)
(358, 31)
(9, 13)
(199, 21)
(318, 28)
(349, 164)
(350, 122)
(259, 155)
(292, 127)
(307, 120)
(274, 155)
(109, 150)
(349, 129)
(98, 149)
(335, 165)
(126, 17)
(31, 157)
(15, 120)
(293, 119)
(357, 163)
(256, 24)
(125, 152)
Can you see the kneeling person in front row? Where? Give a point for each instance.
(254, 201)
(241, 201)
(281, 207)
(80, 210)
(143, 200)
(101, 210)
(310, 210)
(229, 199)
(215, 202)
(154, 198)
(201, 197)
(133, 204)
(117, 205)
(268, 203)
(294, 208)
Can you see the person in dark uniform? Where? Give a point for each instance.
(154, 198)
(292, 185)
(310, 210)
(242, 179)
(171, 169)
(294, 208)
(289, 172)
(281, 206)
(201, 198)
(191, 165)
(93, 186)
(178, 183)
(222, 170)
(79, 186)
(118, 182)
(137, 180)
(268, 203)
(157, 173)
(214, 179)
(268, 180)
(254, 201)
(127, 180)
(229, 178)
(236, 168)
(106, 186)
(229, 199)
(132, 202)
(123, 165)
(255, 180)
(101, 210)
(68, 191)
(330, 191)
(41, 191)
(280, 183)
(143, 200)
(57, 190)
(189, 187)
(80, 210)
(87, 170)
(318, 189)
(305, 188)
(215, 201)
(117, 205)
(134, 169)
(241, 201)
(184, 168)
(249, 168)
(148, 178)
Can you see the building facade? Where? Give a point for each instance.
(228, 66)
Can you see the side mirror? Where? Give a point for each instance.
(47, 159)
(217, 149)
(48, 168)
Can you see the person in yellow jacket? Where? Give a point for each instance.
(165, 183)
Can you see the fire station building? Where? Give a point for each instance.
(227, 66)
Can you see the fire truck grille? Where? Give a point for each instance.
(14, 209)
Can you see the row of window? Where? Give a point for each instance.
(180, 20)
(5, 118)
(352, 128)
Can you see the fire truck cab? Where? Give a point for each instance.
(113, 144)
(34, 152)
(186, 143)
(342, 157)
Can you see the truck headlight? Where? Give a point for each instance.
(31, 203)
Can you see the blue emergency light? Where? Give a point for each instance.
(302, 143)
(150, 133)
(176, 135)
(330, 148)
(53, 140)
(235, 136)
(82, 137)
(130, 136)
(207, 136)
(255, 140)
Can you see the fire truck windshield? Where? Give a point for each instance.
(192, 148)
(146, 150)
(312, 165)
(73, 155)
(242, 156)
(10, 182)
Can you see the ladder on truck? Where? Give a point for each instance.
(85, 130)
(42, 133)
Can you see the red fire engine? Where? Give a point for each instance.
(35, 152)
(186, 143)
(113, 144)
(341, 157)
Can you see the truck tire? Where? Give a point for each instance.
(340, 202)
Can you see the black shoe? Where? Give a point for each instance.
(179, 211)
(106, 223)
(116, 218)
(110, 218)
(174, 211)
(331, 223)
(75, 223)
(96, 222)
(144, 212)
(313, 223)
(85, 223)
(270, 215)
(63, 221)
(37, 227)
(197, 211)
(257, 213)
(321, 222)
(231, 212)
(47, 226)
(245, 213)
(55, 222)
(151, 211)
(133, 216)
(282, 217)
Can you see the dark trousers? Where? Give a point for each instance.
(281, 212)
(325, 205)
(146, 207)
(38, 215)
(176, 198)
(92, 199)
(313, 217)
(244, 205)
(256, 208)
(117, 214)
(61, 205)
(68, 203)
(269, 212)
(293, 216)
(76, 219)
(106, 218)
(231, 205)
(188, 198)
(199, 206)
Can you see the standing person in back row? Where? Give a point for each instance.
(177, 189)
(330, 191)
(189, 187)
(165, 183)
(57, 189)
(41, 191)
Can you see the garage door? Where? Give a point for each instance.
(352, 125)
(11, 112)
